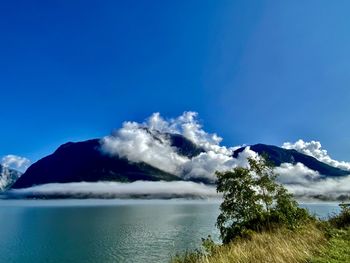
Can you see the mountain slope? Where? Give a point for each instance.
(280, 155)
(83, 161)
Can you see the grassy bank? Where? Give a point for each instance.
(281, 245)
(308, 244)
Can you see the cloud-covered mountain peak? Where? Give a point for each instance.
(314, 149)
(8, 177)
(177, 149)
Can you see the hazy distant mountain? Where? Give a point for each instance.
(84, 161)
(280, 155)
(7, 177)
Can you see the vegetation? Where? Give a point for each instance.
(338, 230)
(261, 222)
(343, 219)
(281, 245)
(337, 249)
(254, 201)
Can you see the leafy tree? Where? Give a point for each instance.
(342, 220)
(254, 201)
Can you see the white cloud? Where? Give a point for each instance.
(328, 188)
(187, 125)
(141, 145)
(306, 183)
(15, 162)
(143, 189)
(207, 163)
(296, 174)
(147, 142)
(314, 149)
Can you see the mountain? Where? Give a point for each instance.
(7, 177)
(280, 155)
(84, 161)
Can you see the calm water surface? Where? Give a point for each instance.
(107, 230)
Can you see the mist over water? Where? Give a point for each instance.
(138, 189)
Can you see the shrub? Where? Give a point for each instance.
(341, 220)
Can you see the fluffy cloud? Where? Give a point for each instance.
(15, 162)
(296, 174)
(187, 125)
(147, 142)
(142, 189)
(138, 144)
(326, 189)
(314, 149)
(304, 182)
(206, 164)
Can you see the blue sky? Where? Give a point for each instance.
(255, 71)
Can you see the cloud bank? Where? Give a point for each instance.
(137, 144)
(305, 183)
(138, 189)
(333, 189)
(296, 174)
(314, 149)
(148, 142)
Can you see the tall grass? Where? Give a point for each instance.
(338, 249)
(281, 245)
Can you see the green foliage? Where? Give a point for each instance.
(343, 219)
(208, 248)
(253, 200)
(208, 245)
(337, 250)
(187, 257)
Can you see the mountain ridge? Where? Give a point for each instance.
(279, 155)
(84, 161)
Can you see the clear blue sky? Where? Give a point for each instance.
(255, 71)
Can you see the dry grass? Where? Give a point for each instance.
(278, 246)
